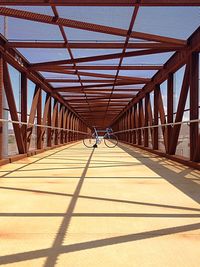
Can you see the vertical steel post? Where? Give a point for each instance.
(39, 120)
(155, 130)
(140, 122)
(135, 141)
(24, 108)
(49, 122)
(170, 108)
(194, 105)
(146, 131)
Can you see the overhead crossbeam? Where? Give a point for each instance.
(90, 74)
(110, 67)
(102, 3)
(95, 45)
(43, 66)
(62, 89)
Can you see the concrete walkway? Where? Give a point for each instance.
(81, 207)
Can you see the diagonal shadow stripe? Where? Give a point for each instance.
(78, 177)
(51, 253)
(74, 168)
(105, 214)
(186, 186)
(100, 198)
(51, 259)
(37, 160)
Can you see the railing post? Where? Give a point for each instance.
(155, 130)
(135, 124)
(49, 122)
(140, 122)
(170, 108)
(194, 106)
(24, 108)
(39, 120)
(146, 131)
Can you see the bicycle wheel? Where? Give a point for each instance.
(110, 140)
(89, 141)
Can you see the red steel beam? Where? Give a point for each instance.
(101, 81)
(98, 67)
(122, 79)
(102, 3)
(96, 95)
(98, 106)
(170, 108)
(43, 66)
(94, 86)
(77, 81)
(105, 90)
(33, 110)
(97, 98)
(39, 121)
(194, 106)
(24, 93)
(100, 45)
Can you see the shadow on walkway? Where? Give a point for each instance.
(179, 180)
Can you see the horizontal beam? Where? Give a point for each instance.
(99, 108)
(80, 102)
(103, 94)
(96, 95)
(77, 81)
(100, 75)
(103, 90)
(99, 111)
(156, 67)
(44, 66)
(98, 98)
(96, 45)
(101, 81)
(101, 3)
(94, 86)
(99, 105)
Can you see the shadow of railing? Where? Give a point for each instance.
(178, 180)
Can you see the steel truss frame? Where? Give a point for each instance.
(139, 113)
(79, 107)
(154, 44)
(71, 125)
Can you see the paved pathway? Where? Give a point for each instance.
(80, 207)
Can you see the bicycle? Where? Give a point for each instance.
(110, 140)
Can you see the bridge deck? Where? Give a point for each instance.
(80, 207)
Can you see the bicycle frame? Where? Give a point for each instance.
(95, 134)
